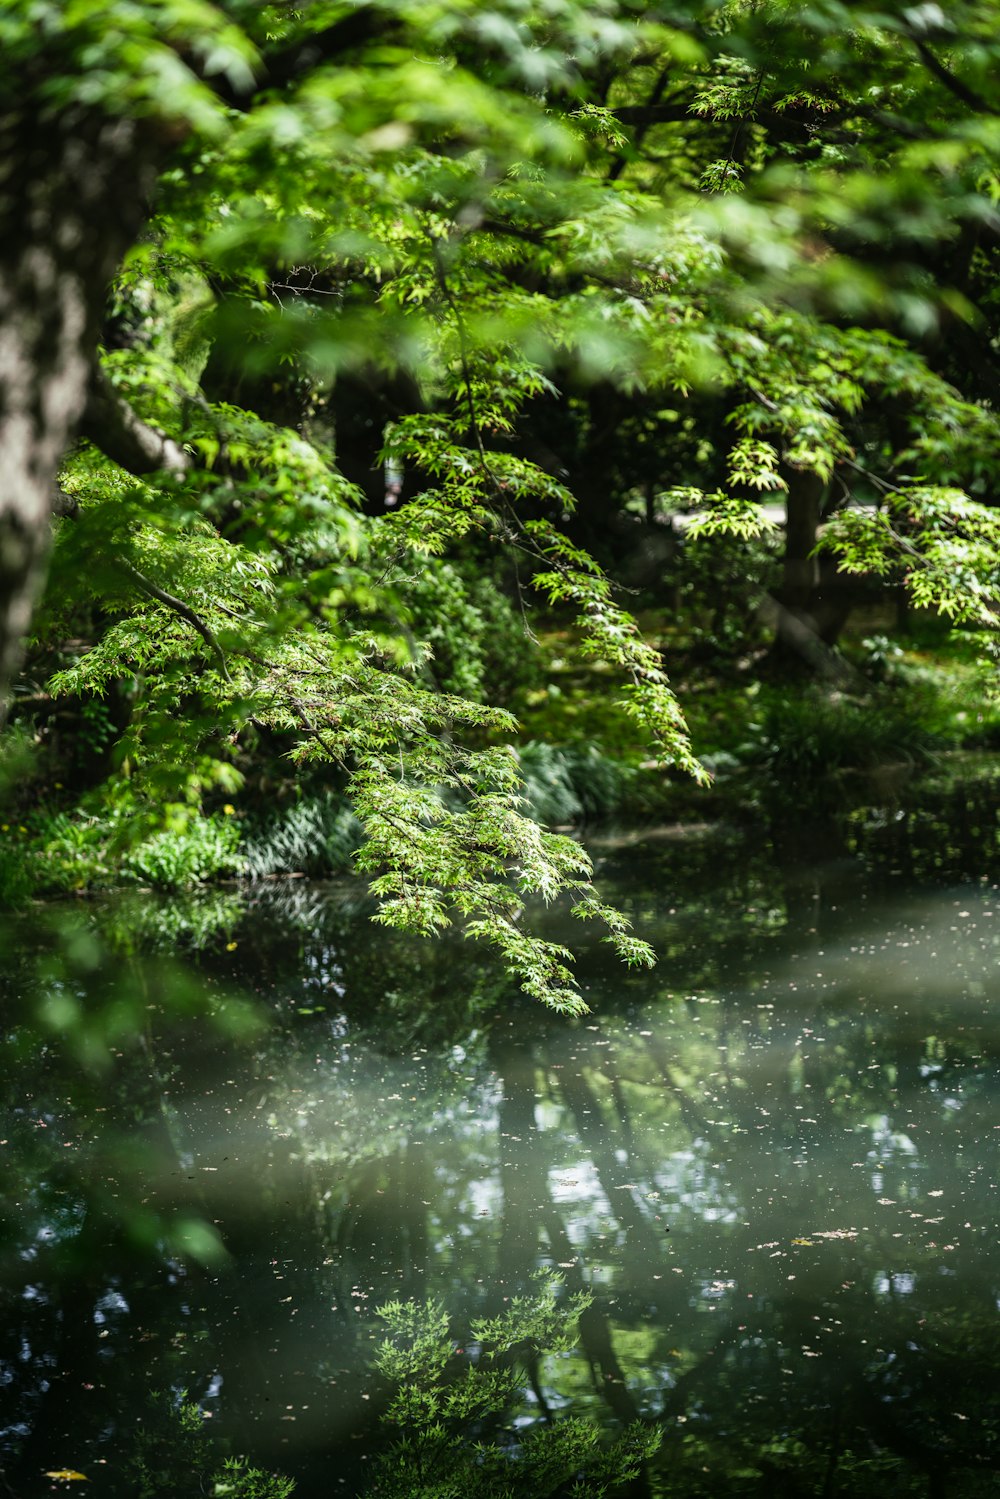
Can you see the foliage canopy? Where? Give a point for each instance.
(431, 238)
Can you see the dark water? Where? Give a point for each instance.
(772, 1161)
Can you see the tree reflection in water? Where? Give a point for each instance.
(769, 1164)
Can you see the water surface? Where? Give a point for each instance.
(772, 1162)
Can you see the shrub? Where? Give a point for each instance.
(175, 859)
(569, 783)
(314, 836)
(818, 731)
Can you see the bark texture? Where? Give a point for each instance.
(72, 198)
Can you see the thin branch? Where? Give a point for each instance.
(180, 608)
(463, 351)
(517, 535)
(741, 122)
(302, 291)
(949, 80)
(525, 622)
(311, 731)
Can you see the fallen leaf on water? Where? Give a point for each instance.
(802, 1241)
(68, 1475)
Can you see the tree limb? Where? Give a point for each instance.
(951, 82)
(642, 126)
(184, 610)
(111, 425)
(289, 61)
(361, 25)
(651, 114)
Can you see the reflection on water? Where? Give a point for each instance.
(772, 1161)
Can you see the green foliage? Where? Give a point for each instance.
(67, 852)
(476, 492)
(237, 1479)
(571, 783)
(942, 543)
(912, 701)
(721, 581)
(316, 835)
(478, 644)
(445, 1403)
(169, 1443)
(817, 733)
(178, 922)
(458, 232)
(438, 857)
(171, 1449)
(239, 651)
(173, 860)
(105, 847)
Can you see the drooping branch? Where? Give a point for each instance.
(182, 609)
(195, 620)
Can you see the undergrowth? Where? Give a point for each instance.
(580, 763)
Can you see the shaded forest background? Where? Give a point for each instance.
(402, 400)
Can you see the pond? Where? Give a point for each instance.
(771, 1162)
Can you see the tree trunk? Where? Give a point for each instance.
(809, 609)
(801, 571)
(71, 201)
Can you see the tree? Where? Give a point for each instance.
(343, 113)
(438, 208)
(844, 165)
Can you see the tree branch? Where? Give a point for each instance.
(514, 231)
(642, 126)
(951, 82)
(111, 425)
(651, 114)
(361, 25)
(184, 610)
(289, 61)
